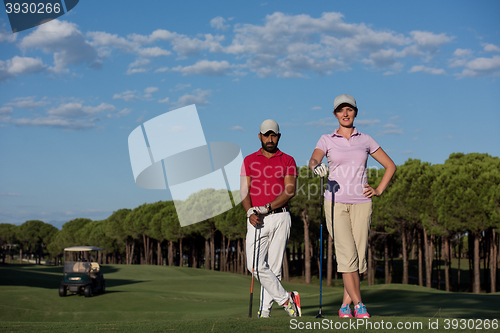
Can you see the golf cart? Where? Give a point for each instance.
(82, 274)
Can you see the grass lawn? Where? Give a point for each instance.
(162, 298)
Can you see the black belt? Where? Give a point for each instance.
(280, 210)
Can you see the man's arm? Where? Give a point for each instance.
(246, 201)
(288, 193)
(245, 192)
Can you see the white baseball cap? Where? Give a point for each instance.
(269, 125)
(344, 99)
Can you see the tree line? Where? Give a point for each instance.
(428, 214)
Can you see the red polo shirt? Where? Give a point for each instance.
(267, 175)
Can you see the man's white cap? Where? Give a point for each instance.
(344, 99)
(269, 125)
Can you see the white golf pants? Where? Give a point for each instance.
(272, 237)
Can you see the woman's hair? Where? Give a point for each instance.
(346, 104)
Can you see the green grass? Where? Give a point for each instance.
(152, 298)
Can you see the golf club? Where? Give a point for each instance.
(253, 267)
(320, 315)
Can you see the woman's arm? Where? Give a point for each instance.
(316, 158)
(390, 168)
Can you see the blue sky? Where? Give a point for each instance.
(425, 76)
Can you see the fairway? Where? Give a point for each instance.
(163, 298)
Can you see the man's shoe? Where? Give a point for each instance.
(291, 308)
(296, 299)
(263, 314)
(345, 311)
(360, 311)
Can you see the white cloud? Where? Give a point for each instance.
(482, 67)
(429, 39)
(205, 67)
(181, 44)
(324, 122)
(104, 39)
(131, 95)
(7, 36)
(138, 66)
(70, 116)
(367, 122)
(150, 90)
(237, 128)
(161, 70)
(127, 96)
(27, 102)
(4, 110)
(165, 100)
(119, 114)
(219, 23)
(462, 53)
(65, 41)
(78, 110)
(181, 86)
(490, 47)
(428, 70)
(316, 108)
(153, 52)
(10, 195)
(198, 97)
(20, 66)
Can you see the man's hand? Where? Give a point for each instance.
(321, 169)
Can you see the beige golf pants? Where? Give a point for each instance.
(351, 227)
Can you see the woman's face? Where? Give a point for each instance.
(345, 116)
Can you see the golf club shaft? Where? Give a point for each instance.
(253, 267)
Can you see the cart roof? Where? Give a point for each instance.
(83, 248)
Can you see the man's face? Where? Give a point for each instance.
(269, 141)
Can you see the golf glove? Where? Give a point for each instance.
(257, 210)
(320, 169)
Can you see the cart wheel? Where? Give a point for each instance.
(62, 291)
(88, 291)
(103, 286)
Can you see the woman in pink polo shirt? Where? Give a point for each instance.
(347, 152)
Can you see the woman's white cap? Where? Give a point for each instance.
(344, 99)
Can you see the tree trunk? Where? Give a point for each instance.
(420, 257)
(387, 272)
(170, 253)
(181, 253)
(493, 262)
(307, 247)
(159, 254)
(447, 263)
(329, 261)
(285, 270)
(207, 253)
(244, 256)
(370, 263)
(212, 248)
(476, 287)
(429, 255)
(405, 254)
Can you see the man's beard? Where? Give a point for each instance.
(269, 147)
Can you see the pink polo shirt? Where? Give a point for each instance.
(267, 175)
(347, 161)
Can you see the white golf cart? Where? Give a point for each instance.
(82, 274)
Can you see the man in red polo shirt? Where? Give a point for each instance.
(268, 183)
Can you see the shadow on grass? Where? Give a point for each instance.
(409, 303)
(48, 277)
